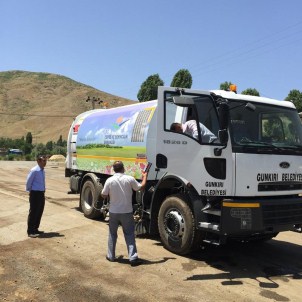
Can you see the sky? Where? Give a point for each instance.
(114, 46)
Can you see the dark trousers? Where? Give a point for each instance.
(36, 208)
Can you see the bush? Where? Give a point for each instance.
(28, 157)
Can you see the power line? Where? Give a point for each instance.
(241, 57)
(265, 44)
(248, 54)
(253, 46)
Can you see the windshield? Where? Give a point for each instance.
(265, 129)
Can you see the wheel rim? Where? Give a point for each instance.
(174, 223)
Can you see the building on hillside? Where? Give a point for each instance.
(15, 151)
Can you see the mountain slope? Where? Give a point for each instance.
(44, 104)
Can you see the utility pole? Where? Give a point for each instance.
(93, 101)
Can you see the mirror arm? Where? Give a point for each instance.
(218, 151)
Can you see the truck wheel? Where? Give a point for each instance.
(176, 225)
(89, 196)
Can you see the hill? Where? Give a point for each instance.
(44, 104)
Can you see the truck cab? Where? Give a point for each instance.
(243, 184)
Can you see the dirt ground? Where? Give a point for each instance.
(68, 262)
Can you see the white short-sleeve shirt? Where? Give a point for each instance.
(119, 187)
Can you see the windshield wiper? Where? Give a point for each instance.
(245, 140)
(293, 146)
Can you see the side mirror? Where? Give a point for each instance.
(223, 136)
(223, 115)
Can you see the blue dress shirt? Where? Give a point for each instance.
(35, 179)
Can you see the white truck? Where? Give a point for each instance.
(246, 184)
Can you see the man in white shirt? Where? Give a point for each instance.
(119, 188)
(190, 128)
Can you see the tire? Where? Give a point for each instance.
(176, 226)
(89, 197)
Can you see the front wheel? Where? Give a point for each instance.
(177, 226)
(88, 201)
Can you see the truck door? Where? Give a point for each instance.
(187, 136)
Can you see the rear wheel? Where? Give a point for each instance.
(177, 226)
(89, 199)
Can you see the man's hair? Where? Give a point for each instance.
(41, 157)
(118, 166)
(174, 126)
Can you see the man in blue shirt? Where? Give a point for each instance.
(35, 185)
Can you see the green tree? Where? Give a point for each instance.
(60, 141)
(182, 79)
(28, 143)
(148, 90)
(29, 138)
(295, 96)
(225, 85)
(49, 146)
(40, 149)
(251, 91)
(27, 148)
(7, 143)
(19, 143)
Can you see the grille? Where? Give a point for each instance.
(282, 214)
(279, 186)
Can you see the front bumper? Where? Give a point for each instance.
(259, 215)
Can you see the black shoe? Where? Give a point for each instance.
(35, 235)
(136, 262)
(111, 260)
(39, 232)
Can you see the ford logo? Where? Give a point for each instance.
(284, 165)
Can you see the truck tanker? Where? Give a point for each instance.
(244, 184)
